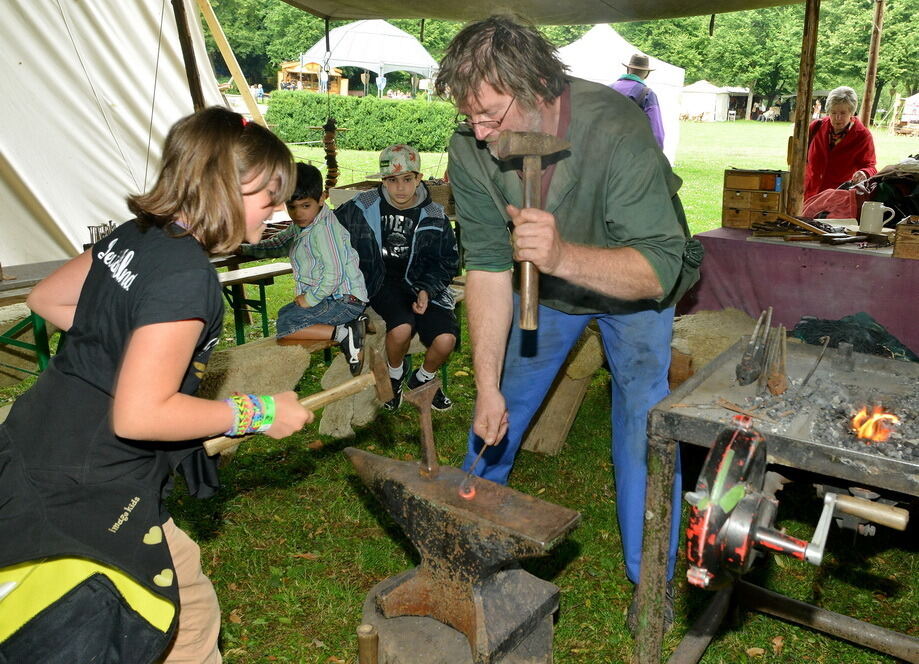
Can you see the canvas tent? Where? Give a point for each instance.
(376, 46)
(79, 136)
(705, 101)
(910, 109)
(553, 12)
(599, 56)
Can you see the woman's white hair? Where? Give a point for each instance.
(842, 95)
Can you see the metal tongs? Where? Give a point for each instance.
(751, 362)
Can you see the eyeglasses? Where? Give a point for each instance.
(464, 122)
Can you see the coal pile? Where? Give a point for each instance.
(822, 413)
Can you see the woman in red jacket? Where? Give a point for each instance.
(840, 147)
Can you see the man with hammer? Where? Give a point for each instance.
(611, 245)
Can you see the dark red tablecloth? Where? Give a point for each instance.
(798, 279)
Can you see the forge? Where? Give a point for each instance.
(468, 579)
(808, 427)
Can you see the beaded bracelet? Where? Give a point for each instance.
(251, 414)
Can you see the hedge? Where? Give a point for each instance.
(372, 123)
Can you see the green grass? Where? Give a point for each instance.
(293, 542)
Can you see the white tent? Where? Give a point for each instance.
(599, 56)
(702, 99)
(90, 89)
(910, 109)
(374, 45)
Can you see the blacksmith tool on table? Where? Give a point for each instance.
(532, 147)
(751, 362)
(378, 377)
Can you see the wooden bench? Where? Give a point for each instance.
(233, 283)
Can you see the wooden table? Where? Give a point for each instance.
(19, 280)
(805, 279)
(234, 281)
(15, 287)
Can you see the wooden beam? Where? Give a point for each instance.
(871, 73)
(235, 71)
(188, 55)
(797, 143)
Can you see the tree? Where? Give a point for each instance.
(242, 22)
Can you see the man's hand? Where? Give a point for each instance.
(490, 420)
(536, 239)
(420, 305)
(301, 301)
(858, 176)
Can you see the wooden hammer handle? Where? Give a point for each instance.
(529, 296)
(313, 402)
(886, 515)
(529, 275)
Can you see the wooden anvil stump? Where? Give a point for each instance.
(468, 577)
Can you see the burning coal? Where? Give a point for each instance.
(875, 427)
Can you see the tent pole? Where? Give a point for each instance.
(797, 143)
(871, 72)
(188, 55)
(238, 77)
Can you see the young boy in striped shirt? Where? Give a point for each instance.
(331, 295)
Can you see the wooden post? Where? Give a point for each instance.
(238, 77)
(655, 550)
(871, 73)
(797, 144)
(188, 55)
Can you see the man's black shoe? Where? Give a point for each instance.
(353, 344)
(440, 401)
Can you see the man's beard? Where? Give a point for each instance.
(531, 120)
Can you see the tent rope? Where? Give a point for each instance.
(66, 20)
(156, 77)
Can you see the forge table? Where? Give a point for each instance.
(691, 415)
(805, 279)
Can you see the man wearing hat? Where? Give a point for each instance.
(632, 85)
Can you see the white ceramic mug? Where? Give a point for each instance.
(874, 216)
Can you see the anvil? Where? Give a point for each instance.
(465, 548)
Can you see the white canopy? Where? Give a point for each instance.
(90, 89)
(911, 109)
(599, 56)
(702, 99)
(373, 45)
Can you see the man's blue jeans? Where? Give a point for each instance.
(637, 347)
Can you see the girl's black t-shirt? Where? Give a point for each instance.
(68, 485)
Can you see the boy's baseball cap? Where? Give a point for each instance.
(398, 159)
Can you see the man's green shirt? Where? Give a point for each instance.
(613, 188)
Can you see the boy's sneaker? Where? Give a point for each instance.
(396, 400)
(353, 344)
(440, 401)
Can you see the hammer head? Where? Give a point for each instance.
(381, 382)
(514, 144)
